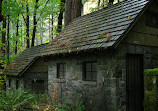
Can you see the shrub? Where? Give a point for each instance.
(150, 103)
(15, 100)
(72, 104)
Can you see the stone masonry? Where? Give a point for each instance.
(108, 93)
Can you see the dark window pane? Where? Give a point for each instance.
(60, 70)
(17, 84)
(61, 67)
(90, 72)
(94, 66)
(10, 82)
(88, 67)
(88, 76)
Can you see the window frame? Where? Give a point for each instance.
(58, 72)
(17, 84)
(10, 83)
(150, 15)
(85, 71)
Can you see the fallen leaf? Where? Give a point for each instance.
(128, 17)
(69, 51)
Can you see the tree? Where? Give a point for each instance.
(34, 23)
(72, 10)
(1, 16)
(111, 2)
(3, 36)
(8, 43)
(17, 35)
(60, 17)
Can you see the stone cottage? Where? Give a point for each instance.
(28, 71)
(101, 56)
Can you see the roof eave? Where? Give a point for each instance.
(23, 71)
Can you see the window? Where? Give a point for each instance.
(90, 71)
(152, 19)
(60, 70)
(38, 86)
(17, 84)
(10, 81)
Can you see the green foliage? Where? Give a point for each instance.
(150, 90)
(151, 71)
(73, 104)
(15, 100)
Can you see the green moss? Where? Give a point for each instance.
(153, 72)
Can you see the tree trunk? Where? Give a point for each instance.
(60, 17)
(98, 3)
(3, 36)
(17, 34)
(110, 2)
(1, 16)
(34, 24)
(68, 8)
(8, 45)
(73, 10)
(27, 26)
(41, 33)
(76, 9)
(52, 27)
(103, 3)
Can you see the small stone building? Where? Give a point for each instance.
(102, 56)
(28, 71)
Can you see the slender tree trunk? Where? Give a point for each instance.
(17, 35)
(8, 44)
(3, 36)
(23, 43)
(1, 16)
(27, 26)
(98, 3)
(68, 8)
(34, 24)
(41, 33)
(60, 17)
(103, 3)
(52, 29)
(49, 28)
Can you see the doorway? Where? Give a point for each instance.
(134, 82)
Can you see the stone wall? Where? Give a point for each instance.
(13, 82)
(37, 71)
(108, 93)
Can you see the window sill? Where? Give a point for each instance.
(59, 80)
(91, 83)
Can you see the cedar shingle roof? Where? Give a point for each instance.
(23, 61)
(101, 29)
